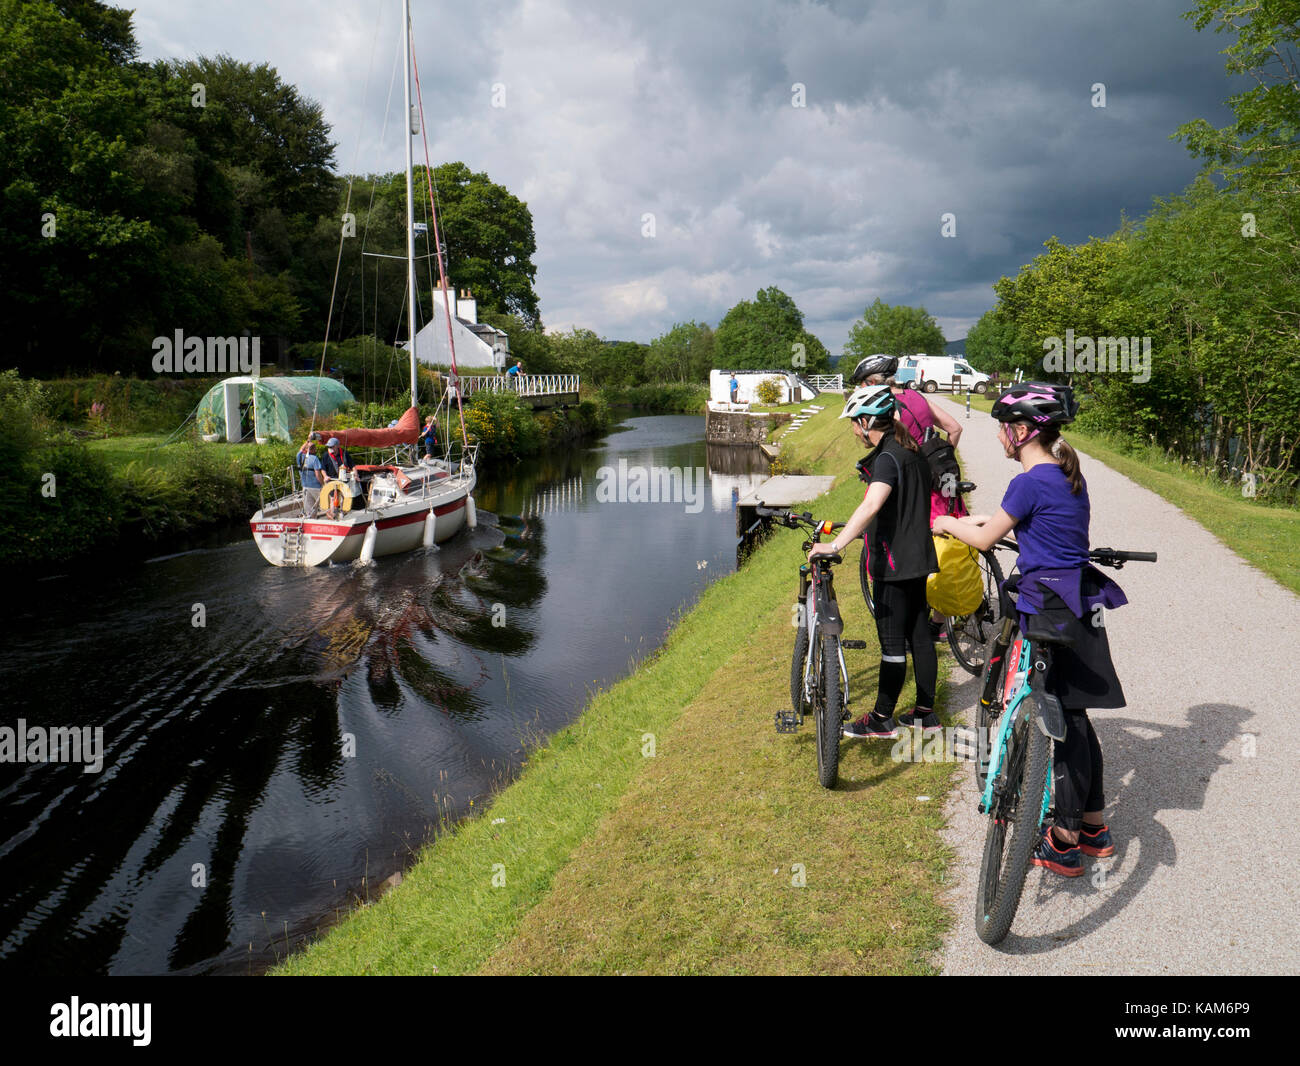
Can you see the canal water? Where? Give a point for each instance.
(264, 770)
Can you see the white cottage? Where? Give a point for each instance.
(793, 388)
(477, 345)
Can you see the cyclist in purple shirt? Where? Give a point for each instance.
(1047, 505)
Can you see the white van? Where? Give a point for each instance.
(945, 372)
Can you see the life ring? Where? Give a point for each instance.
(335, 495)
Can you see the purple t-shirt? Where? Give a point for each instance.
(1051, 522)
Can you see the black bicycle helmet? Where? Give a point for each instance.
(874, 364)
(1039, 404)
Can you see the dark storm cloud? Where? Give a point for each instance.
(684, 111)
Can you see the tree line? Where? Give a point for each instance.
(137, 198)
(1207, 281)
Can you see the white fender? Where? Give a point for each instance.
(430, 525)
(471, 514)
(368, 544)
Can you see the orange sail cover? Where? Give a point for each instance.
(407, 431)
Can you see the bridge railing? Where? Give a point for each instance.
(520, 384)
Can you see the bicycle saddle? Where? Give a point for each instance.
(1040, 631)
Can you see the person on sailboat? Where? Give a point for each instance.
(312, 476)
(308, 448)
(337, 462)
(430, 436)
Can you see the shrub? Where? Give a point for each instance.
(769, 391)
(502, 425)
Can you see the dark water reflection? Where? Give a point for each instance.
(305, 742)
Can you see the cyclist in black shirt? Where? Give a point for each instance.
(895, 515)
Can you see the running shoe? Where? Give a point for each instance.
(870, 727)
(1067, 863)
(929, 721)
(1097, 844)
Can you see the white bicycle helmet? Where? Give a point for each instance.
(875, 401)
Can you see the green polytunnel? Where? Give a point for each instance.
(248, 408)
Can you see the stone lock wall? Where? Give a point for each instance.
(737, 427)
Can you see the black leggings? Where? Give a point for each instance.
(903, 617)
(1076, 771)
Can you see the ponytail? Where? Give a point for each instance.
(904, 437)
(885, 422)
(1068, 457)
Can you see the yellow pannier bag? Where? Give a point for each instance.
(958, 587)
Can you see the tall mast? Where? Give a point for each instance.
(410, 191)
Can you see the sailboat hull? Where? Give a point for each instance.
(286, 540)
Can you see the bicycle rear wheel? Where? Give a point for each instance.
(829, 711)
(969, 634)
(1017, 809)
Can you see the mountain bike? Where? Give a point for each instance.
(1015, 779)
(819, 680)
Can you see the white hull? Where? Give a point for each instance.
(286, 537)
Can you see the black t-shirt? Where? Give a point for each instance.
(899, 536)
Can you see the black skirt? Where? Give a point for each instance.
(1083, 676)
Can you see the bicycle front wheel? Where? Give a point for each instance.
(865, 578)
(1013, 828)
(969, 634)
(829, 711)
(796, 669)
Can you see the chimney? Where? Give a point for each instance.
(468, 307)
(451, 299)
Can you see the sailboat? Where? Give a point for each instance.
(401, 503)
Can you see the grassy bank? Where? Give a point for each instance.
(714, 852)
(1265, 536)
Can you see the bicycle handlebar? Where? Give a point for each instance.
(1105, 556)
(1117, 559)
(793, 521)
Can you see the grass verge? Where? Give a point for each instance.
(610, 860)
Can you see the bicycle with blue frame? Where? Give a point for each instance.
(1015, 780)
(819, 679)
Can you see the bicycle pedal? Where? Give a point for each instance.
(787, 722)
(853, 645)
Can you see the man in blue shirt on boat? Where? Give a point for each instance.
(313, 476)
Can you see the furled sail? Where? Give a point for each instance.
(407, 431)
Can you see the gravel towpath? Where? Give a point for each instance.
(1200, 768)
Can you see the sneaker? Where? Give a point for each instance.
(928, 722)
(870, 727)
(1097, 844)
(1067, 863)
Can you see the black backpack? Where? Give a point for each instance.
(945, 471)
(940, 456)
